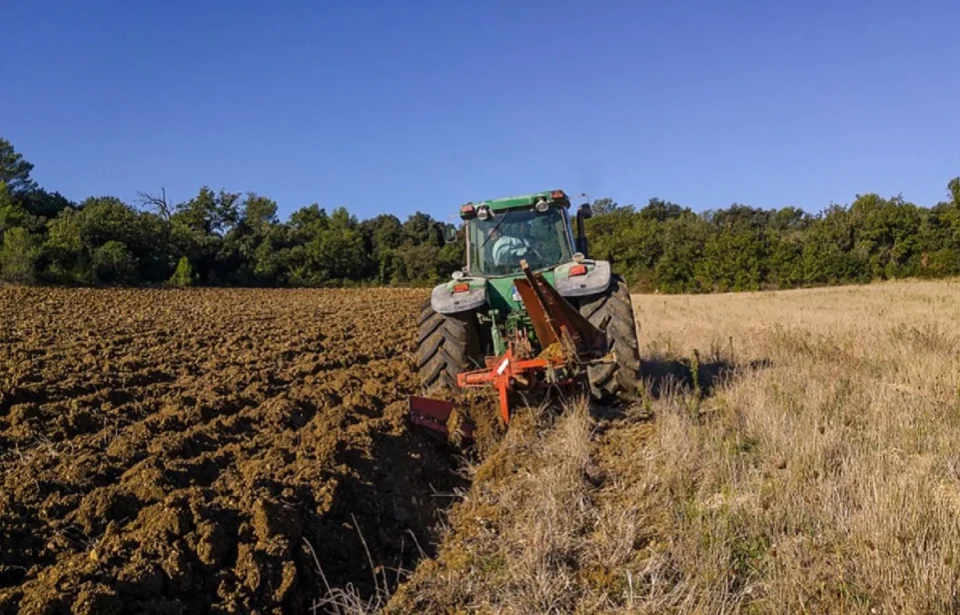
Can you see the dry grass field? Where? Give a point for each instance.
(824, 473)
(796, 452)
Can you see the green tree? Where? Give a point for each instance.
(660, 210)
(43, 204)
(17, 256)
(383, 235)
(208, 213)
(75, 235)
(310, 217)
(419, 229)
(258, 212)
(14, 170)
(604, 206)
(65, 257)
(953, 187)
(684, 239)
(272, 258)
(789, 219)
(828, 251)
(330, 258)
(198, 230)
(241, 247)
(887, 235)
(450, 258)
(736, 253)
(183, 274)
(113, 264)
(733, 259)
(11, 213)
(418, 264)
(786, 261)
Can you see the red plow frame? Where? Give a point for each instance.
(569, 344)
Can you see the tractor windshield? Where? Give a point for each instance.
(499, 243)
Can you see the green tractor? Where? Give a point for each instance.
(528, 281)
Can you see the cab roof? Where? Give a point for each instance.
(526, 200)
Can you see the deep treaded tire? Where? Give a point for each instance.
(614, 381)
(448, 344)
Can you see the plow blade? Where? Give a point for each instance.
(433, 414)
(550, 314)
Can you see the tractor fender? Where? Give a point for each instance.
(445, 301)
(596, 280)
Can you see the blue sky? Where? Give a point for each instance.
(389, 106)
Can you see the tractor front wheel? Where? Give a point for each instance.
(448, 344)
(610, 382)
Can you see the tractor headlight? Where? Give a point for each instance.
(483, 213)
(542, 205)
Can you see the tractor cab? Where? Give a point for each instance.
(502, 232)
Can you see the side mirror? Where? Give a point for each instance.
(449, 234)
(583, 212)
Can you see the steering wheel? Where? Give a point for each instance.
(537, 259)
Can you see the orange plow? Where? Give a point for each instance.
(568, 344)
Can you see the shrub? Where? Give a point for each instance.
(183, 276)
(113, 264)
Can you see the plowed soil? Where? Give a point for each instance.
(208, 450)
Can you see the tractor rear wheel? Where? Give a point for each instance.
(448, 344)
(610, 382)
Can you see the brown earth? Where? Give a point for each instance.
(209, 450)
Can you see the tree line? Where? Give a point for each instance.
(213, 239)
(665, 247)
(233, 239)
